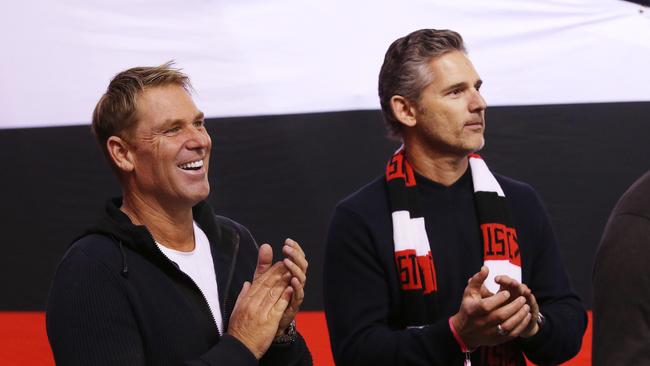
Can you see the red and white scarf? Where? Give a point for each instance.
(415, 263)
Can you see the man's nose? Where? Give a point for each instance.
(198, 139)
(477, 102)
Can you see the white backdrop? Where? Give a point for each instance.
(260, 57)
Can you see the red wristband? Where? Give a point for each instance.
(463, 346)
(460, 342)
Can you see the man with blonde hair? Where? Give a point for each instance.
(161, 279)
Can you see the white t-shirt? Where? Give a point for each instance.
(199, 266)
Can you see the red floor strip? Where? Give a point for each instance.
(23, 340)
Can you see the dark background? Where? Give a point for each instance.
(641, 2)
(281, 176)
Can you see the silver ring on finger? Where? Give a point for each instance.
(501, 331)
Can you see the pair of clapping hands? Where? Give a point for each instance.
(487, 319)
(266, 306)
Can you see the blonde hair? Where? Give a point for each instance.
(116, 111)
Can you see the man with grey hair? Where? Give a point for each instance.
(400, 250)
(161, 279)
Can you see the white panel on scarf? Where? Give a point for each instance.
(422, 246)
(483, 179)
(501, 267)
(409, 233)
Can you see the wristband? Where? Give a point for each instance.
(463, 346)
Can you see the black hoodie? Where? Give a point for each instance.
(116, 299)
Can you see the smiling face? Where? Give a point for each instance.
(450, 112)
(169, 149)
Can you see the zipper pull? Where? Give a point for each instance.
(468, 359)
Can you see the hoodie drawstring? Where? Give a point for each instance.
(125, 267)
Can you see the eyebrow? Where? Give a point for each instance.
(171, 122)
(462, 84)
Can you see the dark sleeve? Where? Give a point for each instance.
(295, 353)
(357, 303)
(231, 351)
(89, 320)
(621, 303)
(561, 336)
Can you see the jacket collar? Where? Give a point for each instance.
(118, 225)
(223, 238)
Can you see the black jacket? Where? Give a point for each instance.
(621, 282)
(116, 299)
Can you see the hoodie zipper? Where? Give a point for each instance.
(226, 306)
(205, 299)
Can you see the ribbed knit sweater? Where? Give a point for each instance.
(361, 286)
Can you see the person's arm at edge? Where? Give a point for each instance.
(620, 309)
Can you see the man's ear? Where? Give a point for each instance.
(120, 153)
(404, 110)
